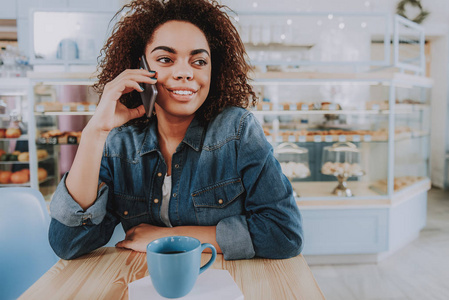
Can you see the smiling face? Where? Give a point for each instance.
(180, 54)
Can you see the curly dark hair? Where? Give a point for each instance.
(131, 34)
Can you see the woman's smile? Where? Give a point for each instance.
(182, 94)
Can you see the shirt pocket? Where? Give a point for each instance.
(219, 201)
(131, 210)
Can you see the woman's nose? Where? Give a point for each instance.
(183, 71)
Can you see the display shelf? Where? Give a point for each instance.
(63, 78)
(14, 162)
(2, 185)
(319, 193)
(64, 113)
(366, 78)
(337, 112)
(27, 184)
(21, 138)
(12, 94)
(25, 162)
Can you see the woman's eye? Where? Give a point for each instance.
(164, 59)
(200, 62)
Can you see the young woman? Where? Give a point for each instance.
(200, 167)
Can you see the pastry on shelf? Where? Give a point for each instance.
(305, 106)
(295, 169)
(264, 106)
(13, 133)
(25, 156)
(51, 133)
(58, 137)
(398, 184)
(342, 160)
(285, 105)
(331, 168)
(330, 106)
(42, 174)
(2, 133)
(5, 177)
(48, 106)
(41, 153)
(375, 105)
(294, 160)
(20, 177)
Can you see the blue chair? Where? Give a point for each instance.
(25, 253)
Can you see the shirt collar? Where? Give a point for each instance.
(193, 137)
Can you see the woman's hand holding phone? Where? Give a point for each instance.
(110, 112)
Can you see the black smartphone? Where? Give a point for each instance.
(149, 93)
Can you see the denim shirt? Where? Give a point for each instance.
(223, 174)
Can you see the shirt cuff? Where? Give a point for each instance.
(68, 212)
(234, 238)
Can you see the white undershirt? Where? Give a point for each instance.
(166, 191)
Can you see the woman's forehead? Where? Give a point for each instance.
(178, 35)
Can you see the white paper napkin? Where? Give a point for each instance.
(212, 284)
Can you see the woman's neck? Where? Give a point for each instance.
(172, 129)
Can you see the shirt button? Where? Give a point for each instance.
(174, 195)
(220, 201)
(176, 166)
(159, 174)
(156, 200)
(125, 212)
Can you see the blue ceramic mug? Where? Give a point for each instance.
(174, 264)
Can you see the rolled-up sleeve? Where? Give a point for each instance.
(234, 238)
(74, 231)
(272, 226)
(68, 212)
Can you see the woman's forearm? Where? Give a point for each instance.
(82, 180)
(138, 237)
(205, 234)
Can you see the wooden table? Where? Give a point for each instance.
(106, 272)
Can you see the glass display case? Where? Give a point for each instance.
(62, 104)
(14, 138)
(386, 116)
(356, 83)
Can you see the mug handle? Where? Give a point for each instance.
(212, 260)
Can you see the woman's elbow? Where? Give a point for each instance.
(60, 241)
(282, 248)
(291, 247)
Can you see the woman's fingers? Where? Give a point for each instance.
(110, 113)
(136, 112)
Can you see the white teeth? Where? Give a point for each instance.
(183, 92)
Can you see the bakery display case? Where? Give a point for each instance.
(15, 168)
(61, 105)
(319, 111)
(352, 91)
